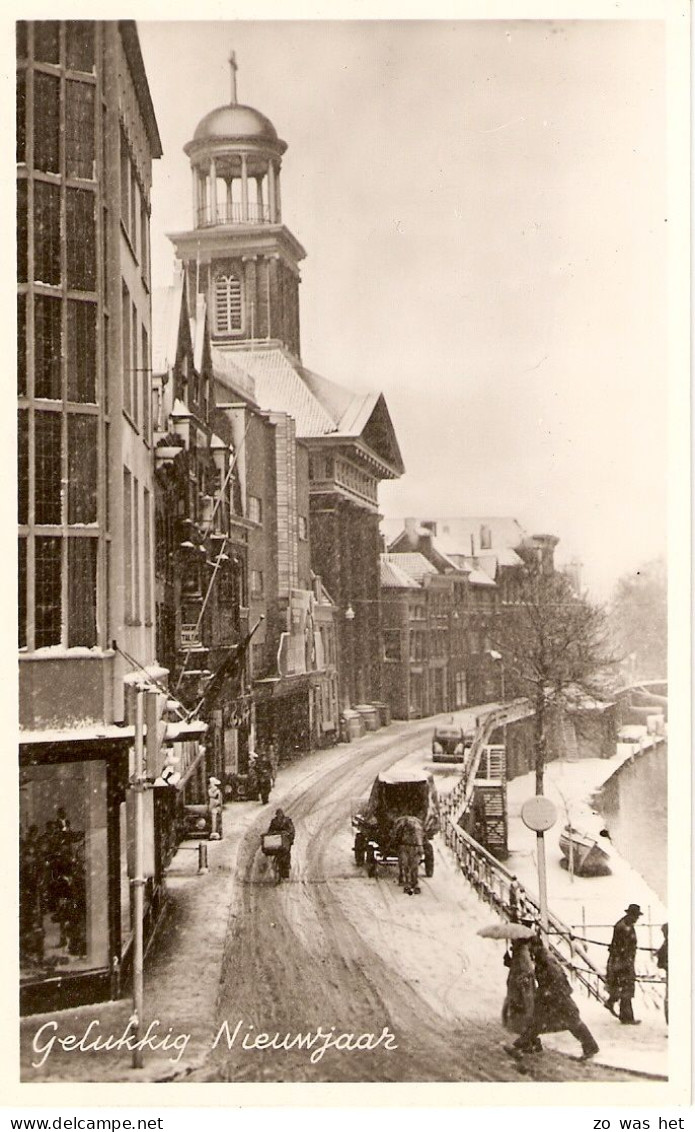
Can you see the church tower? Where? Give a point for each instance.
(238, 253)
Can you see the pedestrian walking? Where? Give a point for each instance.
(409, 839)
(554, 1008)
(620, 969)
(515, 900)
(215, 801)
(520, 1000)
(661, 956)
(264, 778)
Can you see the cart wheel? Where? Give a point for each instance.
(371, 862)
(429, 859)
(360, 849)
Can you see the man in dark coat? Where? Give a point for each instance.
(283, 824)
(409, 839)
(620, 969)
(554, 1007)
(264, 778)
(661, 957)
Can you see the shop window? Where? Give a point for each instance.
(79, 45)
(82, 469)
(22, 466)
(228, 310)
(47, 591)
(47, 240)
(79, 131)
(82, 352)
(80, 239)
(46, 41)
(48, 467)
(46, 123)
(47, 347)
(21, 134)
(63, 861)
(21, 593)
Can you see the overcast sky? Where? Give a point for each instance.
(483, 208)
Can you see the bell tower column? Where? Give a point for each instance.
(244, 189)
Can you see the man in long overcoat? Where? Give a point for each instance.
(620, 969)
(409, 838)
(554, 1007)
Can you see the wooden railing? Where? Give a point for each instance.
(497, 886)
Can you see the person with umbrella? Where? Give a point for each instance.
(554, 1007)
(519, 1002)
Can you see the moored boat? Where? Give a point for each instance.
(583, 854)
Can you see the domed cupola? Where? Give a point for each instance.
(235, 158)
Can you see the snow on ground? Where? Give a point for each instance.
(591, 905)
(463, 975)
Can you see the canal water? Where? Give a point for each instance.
(633, 803)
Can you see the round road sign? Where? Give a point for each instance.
(538, 813)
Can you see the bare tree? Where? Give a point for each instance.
(638, 618)
(554, 646)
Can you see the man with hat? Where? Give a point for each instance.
(620, 970)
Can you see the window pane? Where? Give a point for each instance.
(47, 347)
(21, 345)
(47, 599)
(126, 347)
(82, 592)
(22, 466)
(125, 181)
(79, 130)
(135, 372)
(46, 123)
(128, 542)
(82, 469)
(47, 463)
(46, 233)
(46, 41)
(22, 592)
(146, 386)
(22, 271)
(21, 39)
(81, 239)
(147, 522)
(79, 45)
(21, 110)
(82, 335)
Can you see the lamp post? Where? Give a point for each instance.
(350, 652)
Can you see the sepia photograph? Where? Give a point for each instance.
(344, 389)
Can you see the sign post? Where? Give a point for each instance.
(138, 882)
(539, 814)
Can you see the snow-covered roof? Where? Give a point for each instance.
(480, 578)
(413, 564)
(393, 576)
(166, 313)
(462, 535)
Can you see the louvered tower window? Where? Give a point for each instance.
(228, 304)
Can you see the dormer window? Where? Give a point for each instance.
(228, 307)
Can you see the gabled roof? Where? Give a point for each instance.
(462, 535)
(415, 565)
(319, 407)
(392, 576)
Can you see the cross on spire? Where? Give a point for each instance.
(234, 68)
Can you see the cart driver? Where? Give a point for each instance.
(283, 824)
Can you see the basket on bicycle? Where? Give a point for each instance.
(273, 843)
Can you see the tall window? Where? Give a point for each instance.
(127, 346)
(228, 307)
(59, 386)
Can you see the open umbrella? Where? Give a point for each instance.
(506, 931)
